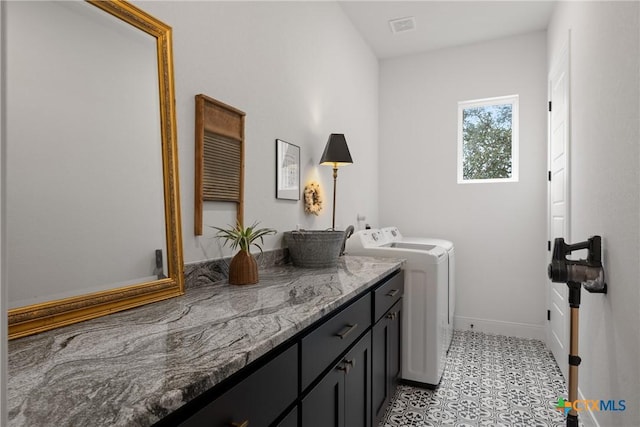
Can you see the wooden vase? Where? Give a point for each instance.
(243, 269)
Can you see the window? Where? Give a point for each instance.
(488, 140)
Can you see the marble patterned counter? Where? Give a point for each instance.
(133, 368)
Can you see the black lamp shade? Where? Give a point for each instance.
(336, 153)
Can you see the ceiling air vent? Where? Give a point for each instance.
(401, 25)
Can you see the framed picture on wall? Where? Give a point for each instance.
(287, 170)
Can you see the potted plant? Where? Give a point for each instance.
(243, 269)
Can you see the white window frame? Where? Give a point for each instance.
(515, 136)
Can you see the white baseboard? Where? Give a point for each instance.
(498, 327)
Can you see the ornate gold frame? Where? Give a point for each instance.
(36, 318)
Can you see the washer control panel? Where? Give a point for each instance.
(392, 234)
(368, 238)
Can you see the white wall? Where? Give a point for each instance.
(499, 230)
(605, 112)
(3, 281)
(300, 72)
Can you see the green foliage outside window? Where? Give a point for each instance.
(487, 142)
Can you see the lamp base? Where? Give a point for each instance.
(335, 179)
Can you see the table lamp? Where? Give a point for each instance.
(336, 154)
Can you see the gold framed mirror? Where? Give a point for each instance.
(167, 278)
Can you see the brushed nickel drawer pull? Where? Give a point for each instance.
(347, 365)
(242, 424)
(346, 331)
(391, 315)
(392, 292)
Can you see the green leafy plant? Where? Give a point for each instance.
(487, 141)
(242, 237)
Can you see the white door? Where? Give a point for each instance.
(558, 205)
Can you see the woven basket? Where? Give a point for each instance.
(314, 248)
(243, 269)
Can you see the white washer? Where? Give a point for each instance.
(394, 234)
(425, 339)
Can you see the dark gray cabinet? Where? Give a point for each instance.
(387, 294)
(252, 402)
(342, 398)
(324, 405)
(385, 339)
(357, 399)
(339, 372)
(291, 420)
(322, 346)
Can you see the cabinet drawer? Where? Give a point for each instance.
(322, 346)
(388, 294)
(253, 399)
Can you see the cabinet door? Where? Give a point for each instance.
(291, 420)
(385, 360)
(380, 374)
(357, 394)
(324, 405)
(395, 345)
(343, 397)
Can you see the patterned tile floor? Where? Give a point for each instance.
(489, 380)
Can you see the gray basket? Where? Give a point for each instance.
(314, 248)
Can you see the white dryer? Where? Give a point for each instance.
(425, 336)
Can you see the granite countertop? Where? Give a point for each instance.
(133, 368)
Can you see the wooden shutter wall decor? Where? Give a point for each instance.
(219, 156)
